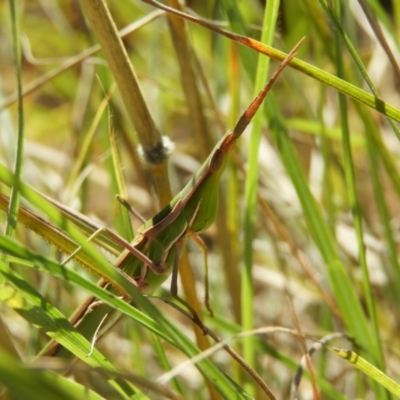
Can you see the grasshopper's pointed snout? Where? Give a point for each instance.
(248, 115)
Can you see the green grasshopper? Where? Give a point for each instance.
(154, 253)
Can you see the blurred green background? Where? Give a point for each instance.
(306, 236)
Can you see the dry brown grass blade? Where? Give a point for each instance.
(303, 346)
(246, 367)
(373, 21)
(185, 57)
(244, 40)
(155, 149)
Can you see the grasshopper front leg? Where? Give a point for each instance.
(165, 240)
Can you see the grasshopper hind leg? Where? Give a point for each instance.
(199, 241)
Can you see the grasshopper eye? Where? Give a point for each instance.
(216, 160)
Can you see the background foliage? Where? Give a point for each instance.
(306, 234)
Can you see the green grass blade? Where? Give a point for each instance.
(342, 286)
(237, 23)
(226, 387)
(57, 237)
(369, 123)
(165, 363)
(339, 279)
(33, 307)
(267, 36)
(356, 211)
(385, 218)
(99, 265)
(126, 224)
(356, 58)
(39, 384)
(41, 263)
(375, 147)
(368, 369)
(342, 86)
(15, 195)
(354, 203)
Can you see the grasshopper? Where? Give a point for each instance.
(154, 253)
